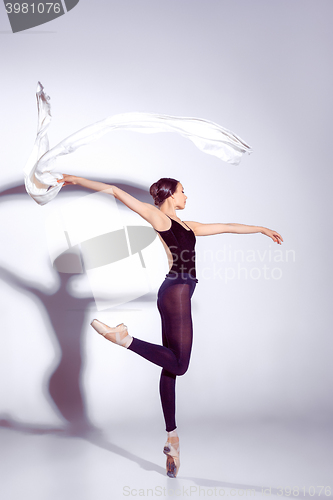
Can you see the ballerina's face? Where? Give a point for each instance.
(179, 197)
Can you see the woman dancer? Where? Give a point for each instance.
(174, 295)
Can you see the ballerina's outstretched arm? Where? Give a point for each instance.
(147, 211)
(209, 229)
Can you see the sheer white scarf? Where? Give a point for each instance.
(41, 182)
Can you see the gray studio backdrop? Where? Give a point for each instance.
(262, 329)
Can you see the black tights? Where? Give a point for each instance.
(174, 305)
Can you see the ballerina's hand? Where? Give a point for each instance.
(68, 179)
(273, 234)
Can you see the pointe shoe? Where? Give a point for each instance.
(117, 335)
(171, 450)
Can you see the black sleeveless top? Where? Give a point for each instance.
(181, 243)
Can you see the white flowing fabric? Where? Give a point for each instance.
(41, 183)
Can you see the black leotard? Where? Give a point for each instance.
(181, 243)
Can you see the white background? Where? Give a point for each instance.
(262, 346)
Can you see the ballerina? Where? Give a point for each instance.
(175, 293)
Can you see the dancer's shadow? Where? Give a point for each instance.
(66, 315)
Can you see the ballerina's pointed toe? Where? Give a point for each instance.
(118, 334)
(173, 461)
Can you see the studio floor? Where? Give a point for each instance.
(218, 459)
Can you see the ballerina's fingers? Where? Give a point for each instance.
(278, 238)
(66, 179)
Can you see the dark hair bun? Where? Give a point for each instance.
(162, 189)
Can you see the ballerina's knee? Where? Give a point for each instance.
(181, 370)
